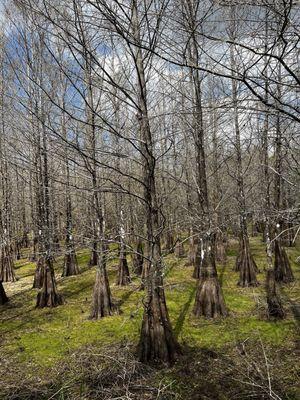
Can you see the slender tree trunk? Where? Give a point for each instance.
(48, 295)
(38, 240)
(7, 273)
(267, 233)
(123, 277)
(282, 268)
(244, 263)
(138, 258)
(220, 239)
(209, 300)
(102, 304)
(157, 341)
(193, 245)
(70, 266)
(179, 249)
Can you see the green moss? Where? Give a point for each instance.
(43, 337)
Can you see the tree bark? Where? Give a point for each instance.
(282, 268)
(123, 277)
(7, 273)
(101, 300)
(3, 297)
(275, 309)
(209, 301)
(48, 295)
(70, 266)
(157, 341)
(138, 258)
(245, 262)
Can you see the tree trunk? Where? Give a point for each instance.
(102, 305)
(275, 309)
(192, 254)
(70, 266)
(157, 341)
(244, 263)
(101, 302)
(179, 249)
(7, 273)
(198, 258)
(282, 267)
(219, 238)
(48, 296)
(123, 277)
(169, 242)
(39, 273)
(70, 263)
(209, 301)
(220, 247)
(3, 297)
(94, 255)
(138, 258)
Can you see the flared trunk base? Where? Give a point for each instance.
(209, 301)
(48, 295)
(123, 277)
(282, 267)
(70, 264)
(102, 305)
(157, 341)
(246, 265)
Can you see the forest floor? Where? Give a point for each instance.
(61, 354)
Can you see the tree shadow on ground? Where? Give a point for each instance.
(180, 320)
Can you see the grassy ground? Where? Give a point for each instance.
(34, 340)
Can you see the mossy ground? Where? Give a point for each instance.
(39, 339)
